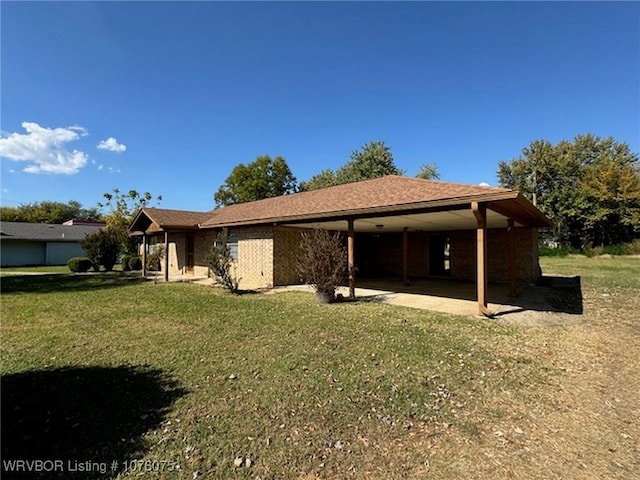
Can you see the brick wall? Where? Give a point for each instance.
(286, 251)
(463, 255)
(255, 256)
(268, 256)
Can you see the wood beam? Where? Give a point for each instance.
(144, 254)
(405, 256)
(351, 258)
(480, 212)
(166, 256)
(511, 245)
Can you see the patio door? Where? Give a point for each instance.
(189, 253)
(439, 256)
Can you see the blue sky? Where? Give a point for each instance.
(177, 94)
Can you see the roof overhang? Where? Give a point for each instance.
(441, 215)
(143, 222)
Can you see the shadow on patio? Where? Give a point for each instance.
(553, 295)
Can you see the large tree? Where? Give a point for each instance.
(372, 161)
(48, 212)
(589, 188)
(263, 178)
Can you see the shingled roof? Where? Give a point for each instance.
(45, 232)
(390, 194)
(168, 219)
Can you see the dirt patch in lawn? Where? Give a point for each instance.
(581, 422)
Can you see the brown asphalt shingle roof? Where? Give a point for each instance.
(388, 191)
(384, 194)
(176, 218)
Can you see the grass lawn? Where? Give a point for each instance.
(40, 269)
(193, 382)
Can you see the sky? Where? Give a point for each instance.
(167, 97)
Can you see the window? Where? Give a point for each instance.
(232, 243)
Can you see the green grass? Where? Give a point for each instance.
(293, 385)
(40, 269)
(112, 367)
(600, 272)
(43, 269)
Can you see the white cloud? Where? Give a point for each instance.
(11, 170)
(100, 167)
(44, 149)
(484, 184)
(112, 145)
(114, 170)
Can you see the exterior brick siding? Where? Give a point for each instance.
(463, 255)
(268, 256)
(286, 251)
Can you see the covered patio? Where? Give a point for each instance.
(421, 244)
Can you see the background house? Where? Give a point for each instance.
(24, 244)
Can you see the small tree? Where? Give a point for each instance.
(123, 207)
(428, 171)
(102, 248)
(221, 263)
(323, 261)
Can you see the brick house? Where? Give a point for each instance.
(394, 227)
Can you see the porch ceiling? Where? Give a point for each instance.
(427, 222)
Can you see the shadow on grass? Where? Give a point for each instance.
(63, 283)
(81, 414)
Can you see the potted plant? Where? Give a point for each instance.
(322, 262)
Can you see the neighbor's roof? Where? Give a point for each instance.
(45, 231)
(385, 195)
(391, 193)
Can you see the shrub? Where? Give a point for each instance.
(154, 258)
(545, 251)
(79, 264)
(124, 261)
(221, 263)
(135, 263)
(102, 248)
(322, 263)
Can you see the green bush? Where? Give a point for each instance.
(632, 248)
(135, 263)
(545, 251)
(124, 261)
(102, 248)
(79, 264)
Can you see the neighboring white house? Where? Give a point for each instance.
(23, 244)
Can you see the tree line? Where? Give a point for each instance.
(266, 177)
(589, 188)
